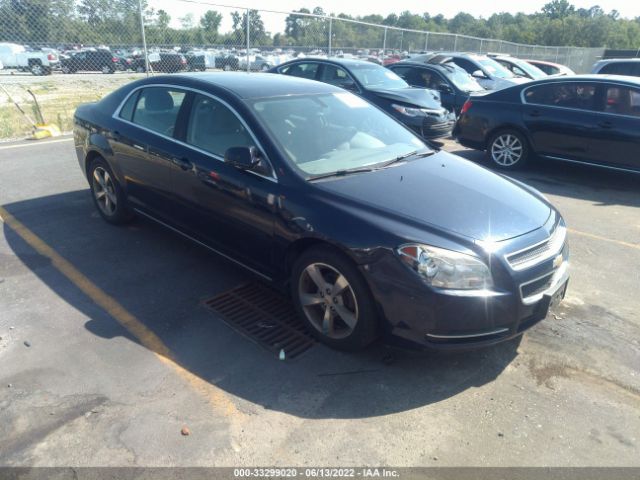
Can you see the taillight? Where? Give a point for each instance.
(183, 61)
(51, 57)
(467, 105)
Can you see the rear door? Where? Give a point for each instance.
(617, 140)
(561, 118)
(145, 149)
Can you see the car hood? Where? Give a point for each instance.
(444, 192)
(420, 97)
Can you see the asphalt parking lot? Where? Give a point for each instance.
(107, 352)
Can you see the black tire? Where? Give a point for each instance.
(121, 214)
(367, 323)
(37, 69)
(503, 148)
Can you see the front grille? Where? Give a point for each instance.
(535, 254)
(537, 286)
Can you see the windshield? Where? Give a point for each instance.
(494, 68)
(534, 72)
(375, 76)
(326, 133)
(462, 79)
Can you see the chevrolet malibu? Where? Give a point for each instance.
(321, 193)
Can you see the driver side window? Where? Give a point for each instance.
(214, 128)
(157, 109)
(337, 76)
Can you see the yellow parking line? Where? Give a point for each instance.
(145, 336)
(635, 246)
(35, 144)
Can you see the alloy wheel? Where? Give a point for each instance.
(104, 191)
(328, 300)
(506, 150)
(37, 69)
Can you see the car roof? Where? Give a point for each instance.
(618, 60)
(255, 85)
(634, 81)
(415, 63)
(345, 62)
(543, 62)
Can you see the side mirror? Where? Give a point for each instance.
(444, 88)
(243, 158)
(478, 74)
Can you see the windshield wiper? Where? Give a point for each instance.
(341, 173)
(415, 153)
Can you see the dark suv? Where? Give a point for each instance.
(618, 66)
(92, 61)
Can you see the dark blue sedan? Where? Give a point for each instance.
(314, 189)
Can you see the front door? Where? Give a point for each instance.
(230, 209)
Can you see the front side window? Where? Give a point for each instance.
(494, 69)
(568, 95)
(302, 70)
(622, 100)
(336, 76)
(157, 109)
(214, 128)
(325, 133)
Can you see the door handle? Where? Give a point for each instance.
(605, 124)
(534, 113)
(183, 163)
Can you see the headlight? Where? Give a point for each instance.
(415, 112)
(442, 268)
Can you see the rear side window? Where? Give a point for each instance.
(622, 100)
(126, 112)
(157, 109)
(568, 95)
(618, 68)
(302, 70)
(214, 128)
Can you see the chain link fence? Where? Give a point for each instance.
(130, 38)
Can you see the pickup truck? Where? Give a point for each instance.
(38, 62)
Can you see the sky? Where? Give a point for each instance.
(275, 22)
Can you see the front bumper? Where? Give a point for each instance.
(418, 315)
(432, 126)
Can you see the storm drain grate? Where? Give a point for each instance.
(265, 316)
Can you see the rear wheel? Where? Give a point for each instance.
(333, 299)
(37, 69)
(107, 193)
(107, 69)
(508, 149)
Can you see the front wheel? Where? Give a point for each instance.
(508, 149)
(107, 193)
(333, 299)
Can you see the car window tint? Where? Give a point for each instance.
(568, 95)
(215, 128)
(336, 76)
(157, 109)
(618, 68)
(413, 76)
(468, 65)
(126, 112)
(622, 100)
(302, 70)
